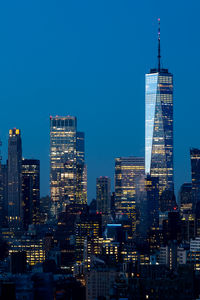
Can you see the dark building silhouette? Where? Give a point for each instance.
(14, 177)
(45, 208)
(3, 194)
(18, 262)
(152, 194)
(195, 171)
(81, 169)
(185, 197)
(30, 191)
(167, 201)
(103, 195)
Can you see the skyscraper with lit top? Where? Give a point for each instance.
(14, 177)
(159, 125)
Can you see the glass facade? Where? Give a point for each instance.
(159, 127)
(68, 172)
(129, 182)
(103, 195)
(62, 162)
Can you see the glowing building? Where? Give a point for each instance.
(68, 175)
(62, 161)
(129, 182)
(159, 125)
(14, 177)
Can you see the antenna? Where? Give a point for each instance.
(159, 56)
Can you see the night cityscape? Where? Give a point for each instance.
(77, 223)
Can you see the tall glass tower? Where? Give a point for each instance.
(62, 162)
(129, 182)
(159, 125)
(68, 172)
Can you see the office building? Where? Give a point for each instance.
(103, 195)
(152, 194)
(62, 162)
(129, 182)
(4, 194)
(159, 125)
(81, 169)
(30, 191)
(195, 170)
(14, 177)
(185, 197)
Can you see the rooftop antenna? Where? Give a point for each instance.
(159, 56)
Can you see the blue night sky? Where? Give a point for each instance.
(88, 59)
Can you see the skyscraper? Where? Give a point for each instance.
(159, 125)
(14, 177)
(185, 197)
(30, 191)
(129, 182)
(152, 194)
(81, 169)
(195, 172)
(103, 195)
(62, 161)
(68, 173)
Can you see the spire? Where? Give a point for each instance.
(159, 56)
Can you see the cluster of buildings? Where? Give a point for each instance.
(136, 242)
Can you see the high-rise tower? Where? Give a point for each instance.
(62, 161)
(81, 169)
(14, 177)
(68, 173)
(195, 172)
(103, 195)
(30, 191)
(159, 125)
(129, 183)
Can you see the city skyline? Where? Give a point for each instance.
(99, 150)
(107, 82)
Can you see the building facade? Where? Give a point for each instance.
(14, 177)
(30, 191)
(129, 182)
(68, 172)
(81, 169)
(195, 172)
(159, 125)
(103, 195)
